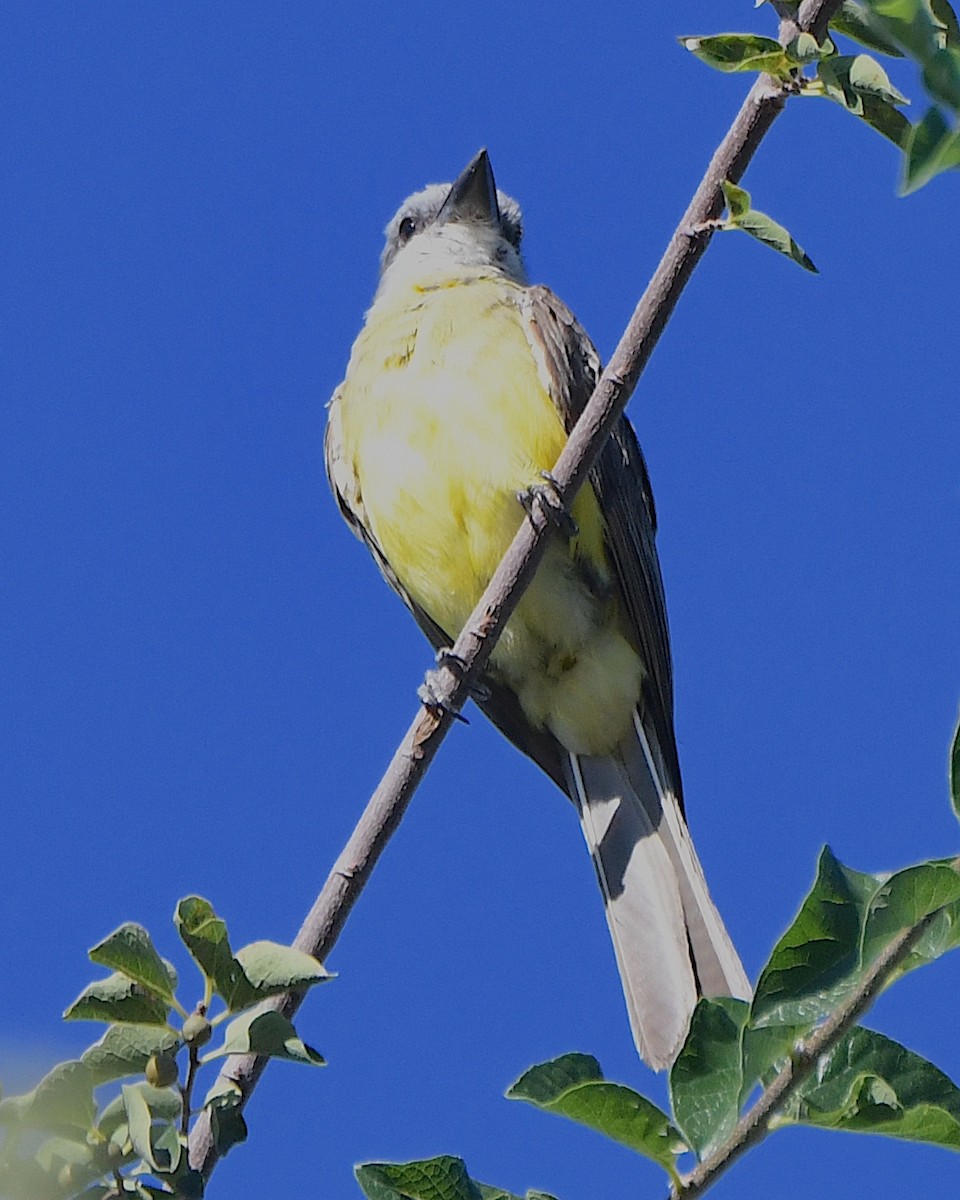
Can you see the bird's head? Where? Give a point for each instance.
(464, 226)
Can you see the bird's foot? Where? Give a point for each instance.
(429, 693)
(543, 502)
(429, 690)
(453, 662)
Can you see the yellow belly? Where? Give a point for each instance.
(446, 419)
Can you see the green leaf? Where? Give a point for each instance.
(138, 1123)
(187, 1184)
(740, 52)
(541, 1084)
(124, 1050)
(765, 1052)
(227, 1125)
(953, 771)
(118, 998)
(130, 951)
(158, 1145)
(941, 77)
(265, 1032)
(57, 1150)
(164, 1104)
(738, 200)
(868, 77)
(913, 25)
(70, 1166)
(167, 1148)
(443, 1178)
(805, 49)
(846, 922)
(205, 936)
(886, 120)
(706, 1080)
(271, 968)
(834, 75)
(932, 148)
(760, 226)
(489, 1192)
(944, 15)
(857, 22)
(940, 936)
(812, 963)
(259, 970)
(573, 1086)
(871, 1084)
(908, 897)
(440, 1178)
(852, 79)
(149, 1191)
(62, 1102)
(905, 899)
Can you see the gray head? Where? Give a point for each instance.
(467, 222)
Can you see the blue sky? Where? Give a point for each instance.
(203, 675)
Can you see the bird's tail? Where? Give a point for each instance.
(670, 941)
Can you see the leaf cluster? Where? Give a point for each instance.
(65, 1138)
(925, 31)
(855, 931)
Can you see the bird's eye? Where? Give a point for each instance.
(408, 227)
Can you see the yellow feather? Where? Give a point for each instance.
(443, 420)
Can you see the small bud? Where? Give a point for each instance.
(162, 1070)
(67, 1176)
(196, 1031)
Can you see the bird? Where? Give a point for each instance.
(458, 397)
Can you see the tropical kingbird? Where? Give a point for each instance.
(460, 392)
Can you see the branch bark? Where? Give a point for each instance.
(389, 802)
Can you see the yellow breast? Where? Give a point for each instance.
(444, 418)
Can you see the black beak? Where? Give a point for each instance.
(473, 196)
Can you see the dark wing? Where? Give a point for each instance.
(500, 705)
(570, 367)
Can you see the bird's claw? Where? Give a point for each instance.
(545, 501)
(429, 691)
(453, 662)
(429, 695)
(445, 657)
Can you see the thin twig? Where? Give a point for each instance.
(386, 807)
(186, 1092)
(754, 1126)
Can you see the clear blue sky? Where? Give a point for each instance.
(203, 675)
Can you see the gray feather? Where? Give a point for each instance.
(716, 963)
(670, 942)
(643, 905)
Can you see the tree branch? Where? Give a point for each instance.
(754, 1126)
(386, 807)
